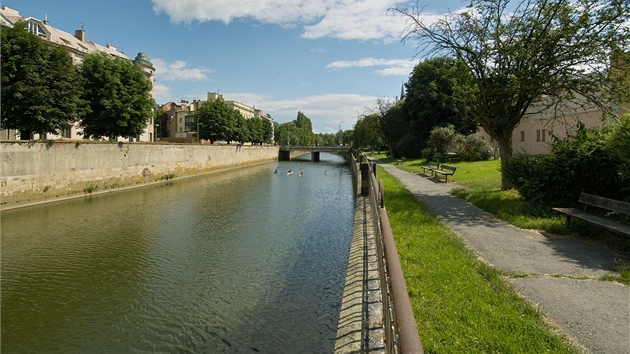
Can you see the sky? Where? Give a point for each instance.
(329, 59)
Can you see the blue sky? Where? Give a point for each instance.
(330, 59)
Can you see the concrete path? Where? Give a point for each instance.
(563, 272)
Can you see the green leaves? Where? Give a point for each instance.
(532, 52)
(43, 92)
(118, 96)
(40, 86)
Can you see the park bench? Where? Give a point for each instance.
(401, 160)
(430, 167)
(445, 170)
(611, 205)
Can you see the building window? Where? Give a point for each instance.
(522, 135)
(66, 132)
(543, 135)
(190, 123)
(537, 135)
(35, 29)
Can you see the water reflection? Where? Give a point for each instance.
(239, 261)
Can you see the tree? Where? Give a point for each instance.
(303, 123)
(287, 134)
(241, 132)
(40, 86)
(393, 124)
(216, 120)
(439, 93)
(118, 96)
(326, 139)
(367, 132)
(256, 130)
(535, 54)
(267, 131)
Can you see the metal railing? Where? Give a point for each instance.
(401, 332)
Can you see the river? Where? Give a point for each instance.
(240, 261)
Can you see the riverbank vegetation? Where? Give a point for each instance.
(461, 305)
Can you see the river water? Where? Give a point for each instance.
(239, 261)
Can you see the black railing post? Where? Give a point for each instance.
(365, 179)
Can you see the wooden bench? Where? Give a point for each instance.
(430, 167)
(445, 170)
(613, 206)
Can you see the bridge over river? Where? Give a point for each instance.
(287, 152)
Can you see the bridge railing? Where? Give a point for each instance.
(401, 332)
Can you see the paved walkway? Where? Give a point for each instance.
(562, 272)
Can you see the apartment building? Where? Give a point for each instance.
(245, 110)
(79, 47)
(177, 124)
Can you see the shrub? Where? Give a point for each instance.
(441, 140)
(618, 146)
(577, 164)
(445, 142)
(473, 148)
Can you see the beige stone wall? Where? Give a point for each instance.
(55, 169)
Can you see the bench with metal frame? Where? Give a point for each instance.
(445, 170)
(612, 205)
(430, 167)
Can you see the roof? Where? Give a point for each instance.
(9, 17)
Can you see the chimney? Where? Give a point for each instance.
(80, 34)
(46, 19)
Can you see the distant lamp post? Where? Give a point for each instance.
(340, 134)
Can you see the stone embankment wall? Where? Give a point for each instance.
(40, 171)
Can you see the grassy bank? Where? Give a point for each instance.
(461, 305)
(481, 185)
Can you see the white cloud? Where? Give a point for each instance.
(179, 70)
(326, 111)
(393, 67)
(342, 19)
(358, 20)
(161, 92)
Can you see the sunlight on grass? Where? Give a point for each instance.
(480, 184)
(461, 305)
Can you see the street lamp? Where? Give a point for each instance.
(340, 134)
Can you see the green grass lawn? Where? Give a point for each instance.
(480, 184)
(461, 305)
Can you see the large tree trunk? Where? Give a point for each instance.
(505, 152)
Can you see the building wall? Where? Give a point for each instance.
(533, 135)
(36, 171)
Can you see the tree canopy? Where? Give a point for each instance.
(394, 125)
(530, 54)
(216, 120)
(439, 93)
(118, 97)
(305, 127)
(40, 86)
(367, 131)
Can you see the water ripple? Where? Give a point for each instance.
(245, 261)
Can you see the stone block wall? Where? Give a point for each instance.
(43, 170)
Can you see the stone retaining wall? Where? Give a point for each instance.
(43, 170)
